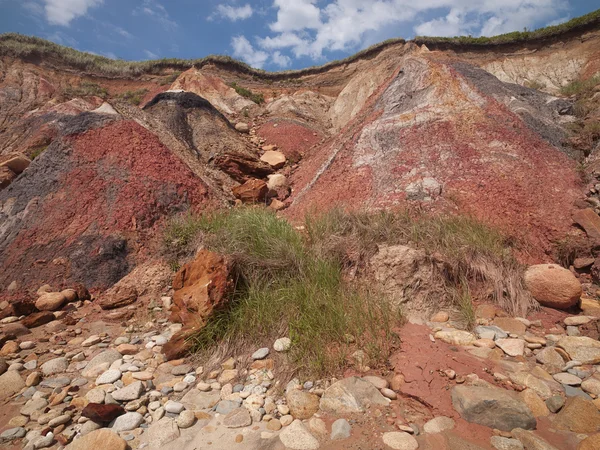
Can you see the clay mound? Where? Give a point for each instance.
(215, 142)
(87, 209)
(433, 137)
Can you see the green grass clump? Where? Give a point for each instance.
(581, 87)
(134, 97)
(37, 151)
(170, 79)
(86, 89)
(284, 288)
(247, 93)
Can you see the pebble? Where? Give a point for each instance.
(261, 353)
(282, 344)
(173, 407)
(388, 393)
(127, 421)
(110, 376)
(567, 378)
(340, 429)
(186, 419)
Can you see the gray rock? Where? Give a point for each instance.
(555, 403)
(186, 419)
(110, 376)
(239, 417)
(439, 424)
(502, 443)
(567, 378)
(340, 429)
(163, 432)
(282, 344)
(261, 353)
(571, 391)
(182, 369)
(105, 357)
(30, 365)
(54, 383)
(197, 400)
(351, 395)
(173, 407)
(127, 421)
(54, 366)
(128, 393)
(226, 406)
(33, 405)
(492, 407)
(297, 437)
(12, 433)
(490, 332)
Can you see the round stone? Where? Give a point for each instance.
(110, 376)
(261, 353)
(173, 407)
(399, 440)
(186, 419)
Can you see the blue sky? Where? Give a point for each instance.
(272, 34)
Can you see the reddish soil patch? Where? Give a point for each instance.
(293, 139)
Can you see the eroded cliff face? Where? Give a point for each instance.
(446, 131)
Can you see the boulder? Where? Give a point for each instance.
(252, 191)
(351, 395)
(242, 127)
(274, 158)
(103, 438)
(492, 407)
(277, 181)
(101, 413)
(579, 416)
(10, 384)
(297, 437)
(303, 405)
(580, 348)
(200, 286)
(38, 319)
(17, 162)
(553, 285)
(119, 296)
(51, 301)
(590, 443)
(589, 221)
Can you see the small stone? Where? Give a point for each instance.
(400, 440)
(512, 347)
(274, 425)
(239, 417)
(33, 379)
(388, 393)
(92, 340)
(555, 403)
(577, 320)
(261, 353)
(340, 429)
(173, 407)
(110, 376)
(128, 393)
(567, 378)
(439, 424)
(186, 419)
(503, 443)
(56, 365)
(282, 344)
(127, 421)
(297, 437)
(440, 317)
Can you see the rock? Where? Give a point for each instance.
(17, 162)
(388, 393)
(173, 407)
(553, 285)
(60, 420)
(52, 301)
(590, 443)
(512, 347)
(492, 407)
(9, 348)
(530, 441)
(378, 382)
(455, 337)
(226, 406)
(252, 191)
(340, 429)
(242, 127)
(6, 177)
(33, 379)
(118, 296)
(128, 393)
(3, 366)
(534, 403)
(33, 405)
(261, 353)
(351, 395)
(591, 386)
(441, 316)
(439, 424)
(555, 403)
(567, 378)
(103, 438)
(196, 400)
(186, 419)
(510, 325)
(282, 344)
(577, 320)
(490, 332)
(571, 391)
(54, 366)
(274, 158)
(127, 421)
(589, 221)
(297, 437)
(239, 417)
(200, 286)
(127, 349)
(579, 416)
(400, 440)
(502, 443)
(303, 405)
(106, 357)
(581, 348)
(12, 433)
(550, 357)
(38, 319)
(102, 414)
(277, 181)
(110, 376)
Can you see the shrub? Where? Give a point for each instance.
(134, 97)
(247, 93)
(37, 151)
(581, 87)
(86, 89)
(170, 79)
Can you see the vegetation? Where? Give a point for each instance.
(170, 79)
(134, 97)
(37, 151)
(86, 89)
(586, 129)
(292, 282)
(581, 87)
(534, 85)
(247, 93)
(514, 37)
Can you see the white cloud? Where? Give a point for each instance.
(281, 60)
(233, 13)
(243, 49)
(156, 11)
(150, 54)
(312, 27)
(61, 12)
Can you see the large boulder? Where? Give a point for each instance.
(38, 319)
(492, 407)
(553, 285)
(351, 395)
(51, 301)
(579, 416)
(581, 348)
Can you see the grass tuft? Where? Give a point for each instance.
(134, 97)
(86, 89)
(247, 93)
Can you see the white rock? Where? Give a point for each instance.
(400, 440)
(110, 376)
(282, 344)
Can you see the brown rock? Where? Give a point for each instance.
(6, 176)
(118, 297)
(534, 402)
(510, 325)
(17, 162)
(200, 287)
(38, 319)
(583, 263)
(70, 295)
(101, 413)
(180, 343)
(441, 316)
(486, 312)
(51, 301)
(553, 286)
(397, 382)
(303, 405)
(9, 347)
(274, 159)
(127, 349)
(242, 167)
(579, 416)
(103, 438)
(276, 205)
(590, 443)
(252, 191)
(589, 221)
(82, 292)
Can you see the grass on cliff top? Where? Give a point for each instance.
(292, 282)
(514, 37)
